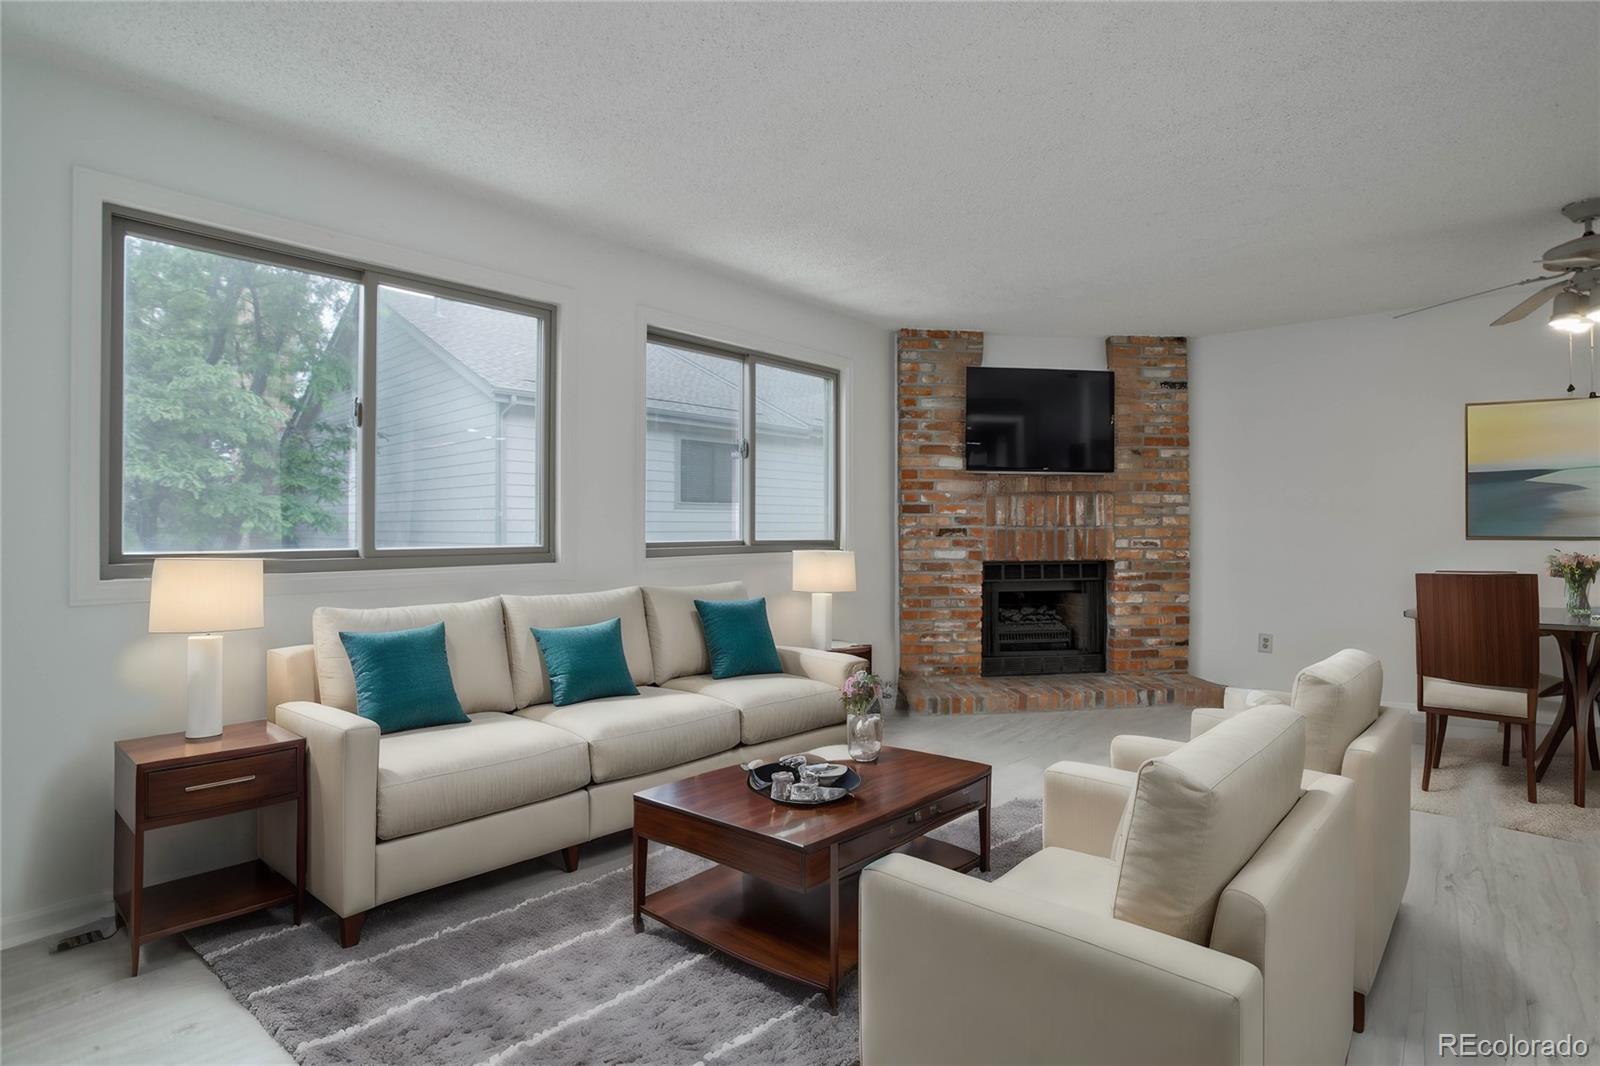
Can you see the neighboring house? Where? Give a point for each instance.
(457, 456)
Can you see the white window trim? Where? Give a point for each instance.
(92, 190)
(658, 320)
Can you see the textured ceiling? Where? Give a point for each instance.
(1069, 169)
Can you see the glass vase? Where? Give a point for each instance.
(1578, 596)
(864, 733)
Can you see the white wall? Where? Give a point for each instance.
(77, 678)
(1328, 469)
(1047, 353)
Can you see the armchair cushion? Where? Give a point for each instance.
(1129, 752)
(1071, 878)
(1199, 813)
(1339, 698)
(770, 705)
(677, 647)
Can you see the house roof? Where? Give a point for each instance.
(499, 346)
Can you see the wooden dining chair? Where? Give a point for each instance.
(1478, 657)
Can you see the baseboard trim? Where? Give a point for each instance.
(44, 922)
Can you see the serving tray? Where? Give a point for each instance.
(761, 781)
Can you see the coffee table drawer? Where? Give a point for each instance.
(885, 838)
(207, 786)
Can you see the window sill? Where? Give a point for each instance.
(679, 551)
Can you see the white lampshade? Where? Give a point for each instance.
(205, 595)
(824, 571)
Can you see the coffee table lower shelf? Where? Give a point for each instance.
(776, 929)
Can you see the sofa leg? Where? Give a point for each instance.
(1360, 1025)
(569, 858)
(350, 929)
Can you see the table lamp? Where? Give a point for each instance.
(822, 573)
(204, 597)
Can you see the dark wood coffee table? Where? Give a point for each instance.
(783, 895)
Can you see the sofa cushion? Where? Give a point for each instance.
(446, 774)
(1199, 814)
(770, 705)
(677, 647)
(631, 735)
(474, 636)
(403, 678)
(1071, 878)
(1338, 697)
(530, 681)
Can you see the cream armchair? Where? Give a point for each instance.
(1214, 926)
(1350, 734)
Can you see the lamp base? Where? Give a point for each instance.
(205, 686)
(822, 620)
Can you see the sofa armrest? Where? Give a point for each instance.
(830, 666)
(291, 677)
(956, 970)
(1083, 806)
(342, 815)
(1378, 764)
(1129, 752)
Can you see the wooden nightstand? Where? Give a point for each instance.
(169, 780)
(862, 650)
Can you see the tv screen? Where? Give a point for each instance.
(1039, 420)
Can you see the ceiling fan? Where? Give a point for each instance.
(1572, 284)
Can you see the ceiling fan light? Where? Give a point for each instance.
(1570, 312)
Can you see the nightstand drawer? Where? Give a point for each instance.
(208, 786)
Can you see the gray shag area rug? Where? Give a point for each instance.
(1471, 784)
(494, 970)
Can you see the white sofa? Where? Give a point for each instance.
(1198, 911)
(1349, 733)
(397, 814)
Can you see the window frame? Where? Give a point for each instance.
(117, 222)
(749, 359)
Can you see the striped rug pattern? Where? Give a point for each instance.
(497, 971)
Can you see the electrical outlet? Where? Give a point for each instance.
(1264, 642)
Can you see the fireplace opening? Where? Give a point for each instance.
(1044, 618)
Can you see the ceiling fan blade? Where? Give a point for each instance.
(1485, 292)
(1531, 304)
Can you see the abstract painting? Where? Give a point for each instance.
(1533, 470)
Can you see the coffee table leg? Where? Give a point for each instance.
(983, 828)
(833, 929)
(641, 848)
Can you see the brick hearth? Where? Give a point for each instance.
(952, 522)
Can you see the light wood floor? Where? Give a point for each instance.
(1499, 933)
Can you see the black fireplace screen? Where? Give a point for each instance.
(1044, 618)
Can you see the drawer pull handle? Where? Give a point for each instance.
(219, 784)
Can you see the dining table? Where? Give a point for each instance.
(1576, 636)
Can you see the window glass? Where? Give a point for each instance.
(793, 454)
(693, 430)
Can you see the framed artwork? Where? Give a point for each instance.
(1533, 470)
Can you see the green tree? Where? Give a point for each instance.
(232, 437)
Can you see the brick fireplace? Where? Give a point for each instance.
(953, 524)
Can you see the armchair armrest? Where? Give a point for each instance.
(1129, 752)
(342, 815)
(956, 970)
(1378, 763)
(1239, 699)
(1083, 806)
(830, 666)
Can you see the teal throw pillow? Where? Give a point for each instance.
(585, 662)
(403, 678)
(738, 638)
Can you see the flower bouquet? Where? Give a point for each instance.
(1578, 571)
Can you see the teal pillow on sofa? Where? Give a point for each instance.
(403, 678)
(738, 638)
(585, 662)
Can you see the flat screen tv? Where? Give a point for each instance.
(1033, 421)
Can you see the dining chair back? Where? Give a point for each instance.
(1479, 628)
(1478, 657)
